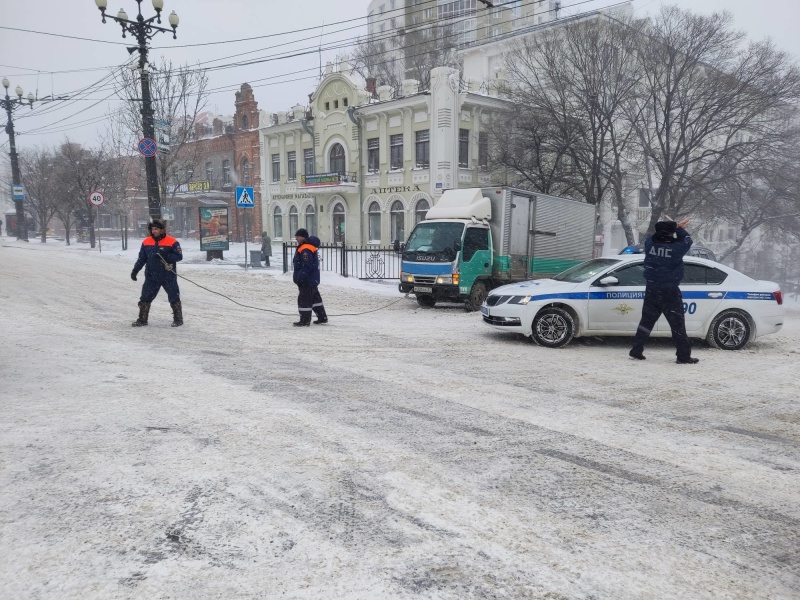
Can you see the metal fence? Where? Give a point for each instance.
(364, 262)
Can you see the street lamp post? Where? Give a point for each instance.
(144, 30)
(10, 104)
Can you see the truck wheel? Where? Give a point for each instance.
(426, 301)
(730, 330)
(476, 297)
(553, 327)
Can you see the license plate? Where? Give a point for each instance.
(485, 310)
(426, 290)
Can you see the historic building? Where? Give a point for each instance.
(362, 167)
(247, 159)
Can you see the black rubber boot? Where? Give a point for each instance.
(302, 323)
(177, 314)
(144, 311)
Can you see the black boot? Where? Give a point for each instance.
(303, 322)
(177, 314)
(144, 310)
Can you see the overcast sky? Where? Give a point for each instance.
(23, 54)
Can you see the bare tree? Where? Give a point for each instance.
(706, 103)
(40, 185)
(82, 171)
(179, 95)
(573, 83)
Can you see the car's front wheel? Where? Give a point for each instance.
(553, 327)
(730, 330)
(476, 297)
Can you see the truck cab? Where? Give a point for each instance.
(448, 260)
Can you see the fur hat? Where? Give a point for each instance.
(303, 233)
(668, 227)
(159, 223)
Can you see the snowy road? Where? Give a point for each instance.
(405, 453)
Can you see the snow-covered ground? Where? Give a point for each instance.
(403, 453)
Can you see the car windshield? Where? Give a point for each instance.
(435, 237)
(587, 270)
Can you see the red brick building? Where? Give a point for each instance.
(247, 158)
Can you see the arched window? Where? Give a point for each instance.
(420, 210)
(245, 122)
(293, 221)
(338, 223)
(374, 223)
(311, 220)
(245, 172)
(337, 159)
(398, 222)
(277, 223)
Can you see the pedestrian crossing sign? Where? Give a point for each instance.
(245, 197)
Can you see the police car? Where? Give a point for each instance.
(604, 296)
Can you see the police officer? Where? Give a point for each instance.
(305, 274)
(159, 254)
(663, 272)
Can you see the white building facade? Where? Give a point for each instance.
(360, 170)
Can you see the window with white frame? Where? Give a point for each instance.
(420, 210)
(396, 151)
(463, 148)
(311, 219)
(308, 161)
(373, 155)
(276, 167)
(397, 222)
(291, 165)
(277, 223)
(483, 151)
(422, 148)
(337, 159)
(374, 221)
(226, 172)
(210, 172)
(293, 220)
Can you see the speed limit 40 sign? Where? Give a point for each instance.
(97, 198)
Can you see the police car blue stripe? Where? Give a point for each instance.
(749, 296)
(426, 269)
(568, 296)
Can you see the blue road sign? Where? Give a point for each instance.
(147, 147)
(19, 191)
(245, 197)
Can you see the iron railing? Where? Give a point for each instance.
(363, 262)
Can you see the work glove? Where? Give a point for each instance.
(133, 275)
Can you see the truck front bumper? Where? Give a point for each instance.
(438, 291)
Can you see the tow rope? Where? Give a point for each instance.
(169, 267)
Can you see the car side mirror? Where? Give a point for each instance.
(610, 280)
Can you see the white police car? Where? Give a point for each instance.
(604, 296)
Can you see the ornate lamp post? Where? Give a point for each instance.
(144, 30)
(10, 104)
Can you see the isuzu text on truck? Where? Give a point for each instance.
(479, 238)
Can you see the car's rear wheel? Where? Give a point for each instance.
(476, 297)
(730, 330)
(426, 301)
(553, 327)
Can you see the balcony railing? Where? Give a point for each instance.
(329, 179)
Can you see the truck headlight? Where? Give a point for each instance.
(447, 279)
(519, 300)
(406, 278)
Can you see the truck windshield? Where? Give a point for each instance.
(582, 272)
(435, 238)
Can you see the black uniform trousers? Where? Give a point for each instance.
(152, 286)
(309, 299)
(669, 302)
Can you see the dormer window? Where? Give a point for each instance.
(344, 101)
(327, 106)
(335, 104)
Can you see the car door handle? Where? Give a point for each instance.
(715, 294)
